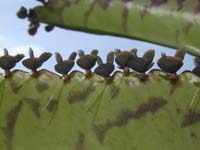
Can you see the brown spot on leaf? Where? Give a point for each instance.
(178, 110)
(153, 105)
(80, 143)
(191, 118)
(52, 105)
(41, 86)
(15, 86)
(77, 2)
(157, 3)
(103, 3)
(179, 4)
(77, 96)
(197, 9)
(125, 14)
(193, 135)
(11, 120)
(34, 105)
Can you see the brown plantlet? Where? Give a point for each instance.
(7, 62)
(64, 66)
(142, 64)
(171, 64)
(106, 69)
(86, 62)
(33, 63)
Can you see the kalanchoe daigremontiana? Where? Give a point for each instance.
(86, 62)
(64, 66)
(105, 69)
(33, 63)
(122, 59)
(7, 62)
(171, 64)
(142, 64)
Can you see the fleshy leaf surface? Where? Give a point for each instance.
(48, 113)
(174, 23)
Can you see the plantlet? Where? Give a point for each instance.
(8, 62)
(87, 61)
(142, 64)
(64, 66)
(33, 63)
(105, 69)
(172, 64)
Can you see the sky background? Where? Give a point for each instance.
(14, 37)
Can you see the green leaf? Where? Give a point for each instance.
(171, 23)
(48, 113)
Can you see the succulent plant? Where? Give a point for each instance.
(92, 113)
(88, 112)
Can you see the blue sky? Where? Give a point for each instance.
(14, 36)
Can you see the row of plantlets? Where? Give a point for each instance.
(42, 111)
(125, 60)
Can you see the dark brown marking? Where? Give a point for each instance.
(114, 91)
(178, 110)
(179, 4)
(41, 86)
(125, 17)
(52, 105)
(193, 135)
(153, 105)
(125, 14)
(81, 141)
(103, 3)
(89, 11)
(157, 3)
(197, 9)
(15, 86)
(34, 105)
(62, 8)
(190, 118)
(11, 120)
(77, 2)
(77, 96)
